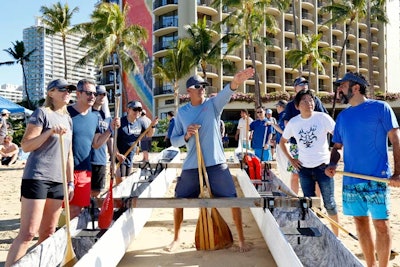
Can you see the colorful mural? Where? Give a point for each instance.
(138, 85)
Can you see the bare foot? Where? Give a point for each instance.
(243, 247)
(172, 247)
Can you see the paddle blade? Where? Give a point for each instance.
(222, 234)
(69, 257)
(107, 211)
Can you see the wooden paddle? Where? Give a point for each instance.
(365, 177)
(69, 257)
(107, 209)
(212, 232)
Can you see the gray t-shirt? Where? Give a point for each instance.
(3, 128)
(44, 163)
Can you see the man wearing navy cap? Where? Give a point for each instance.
(363, 129)
(202, 115)
(291, 111)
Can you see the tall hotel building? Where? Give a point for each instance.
(275, 73)
(47, 62)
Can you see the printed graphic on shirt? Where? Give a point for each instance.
(308, 137)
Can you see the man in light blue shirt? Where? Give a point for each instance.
(203, 115)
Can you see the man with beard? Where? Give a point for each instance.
(362, 130)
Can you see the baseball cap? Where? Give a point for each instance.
(268, 111)
(60, 83)
(143, 112)
(281, 103)
(300, 81)
(134, 104)
(349, 76)
(195, 80)
(5, 111)
(101, 89)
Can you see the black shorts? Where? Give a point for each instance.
(125, 170)
(145, 144)
(98, 181)
(40, 189)
(5, 160)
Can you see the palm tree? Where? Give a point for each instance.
(20, 57)
(204, 51)
(174, 66)
(245, 26)
(108, 36)
(310, 54)
(350, 12)
(57, 20)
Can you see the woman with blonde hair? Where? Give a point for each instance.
(42, 181)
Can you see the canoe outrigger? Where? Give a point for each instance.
(89, 242)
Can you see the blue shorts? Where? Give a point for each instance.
(308, 178)
(294, 151)
(266, 155)
(220, 178)
(364, 199)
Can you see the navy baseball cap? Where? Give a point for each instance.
(351, 77)
(134, 104)
(59, 84)
(195, 80)
(300, 81)
(101, 89)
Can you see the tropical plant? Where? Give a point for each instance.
(348, 13)
(108, 36)
(174, 66)
(246, 24)
(57, 20)
(204, 51)
(20, 57)
(310, 53)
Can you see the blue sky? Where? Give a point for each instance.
(17, 15)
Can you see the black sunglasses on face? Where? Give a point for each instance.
(136, 109)
(103, 94)
(259, 112)
(88, 93)
(64, 89)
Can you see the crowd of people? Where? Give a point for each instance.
(299, 141)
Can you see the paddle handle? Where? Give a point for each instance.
(199, 161)
(114, 149)
(365, 177)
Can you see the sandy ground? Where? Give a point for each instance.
(147, 249)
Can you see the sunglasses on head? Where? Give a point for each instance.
(88, 93)
(64, 89)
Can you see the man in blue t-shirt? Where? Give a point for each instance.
(85, 135)
(291, 111)
(261, 134)
(99, 156)
(171, 123)
(363, 130)
(202, 115)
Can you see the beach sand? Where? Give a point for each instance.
(148, 247)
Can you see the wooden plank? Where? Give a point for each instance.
(281, 250)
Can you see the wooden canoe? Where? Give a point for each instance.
(90, 244)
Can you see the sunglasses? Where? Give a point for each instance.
(64, 89)
(88, 93)
(103, 94)
(198, 86)
(259, 111)
(136, 109)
